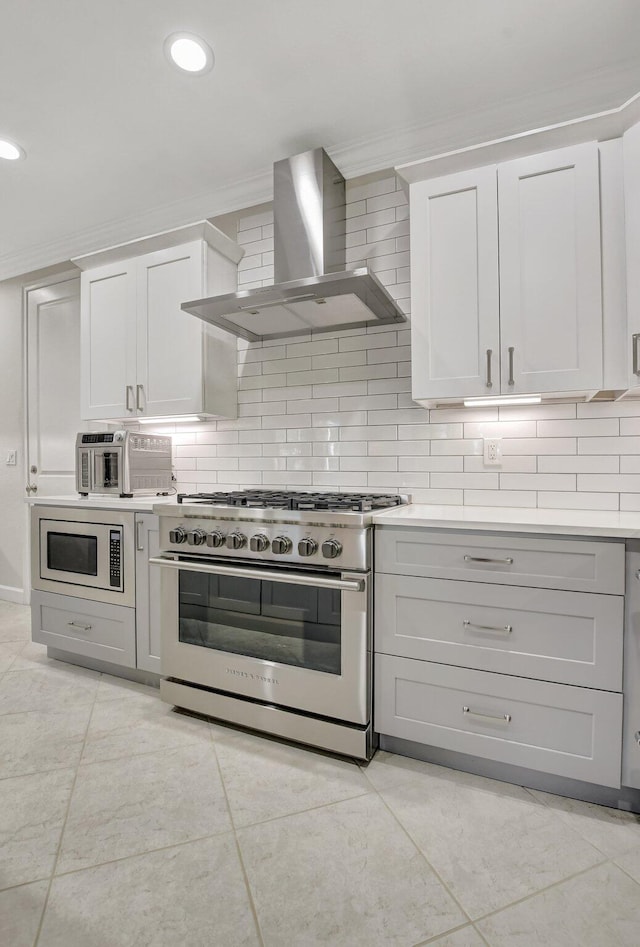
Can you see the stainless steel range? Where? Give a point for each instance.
(266, 612)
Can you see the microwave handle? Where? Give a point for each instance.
(292, 578)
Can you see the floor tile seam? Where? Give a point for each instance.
(535, 894)
(289, 815)
(454, 930)
(126, 756)
(24, 884)
(415, 845)
(42, 710)
(412, 777)
(84, 764)
(149, 851)
(62, 829)
(243, 869)
(622, 868)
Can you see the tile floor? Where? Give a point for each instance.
(125, 824)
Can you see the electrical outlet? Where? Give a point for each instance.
(12, 458)
(492, 451)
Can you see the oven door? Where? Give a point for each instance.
(292, 638)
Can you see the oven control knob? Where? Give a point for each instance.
(259, 543)
(196, 537)
(236, 540)
(215, 538)
(331, 548)
(307, 547)
(281, 545)
(177, 535)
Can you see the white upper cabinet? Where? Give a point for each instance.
(550, 272)
(141, 354)
(454, 271)
(506, 278)
(631, 149)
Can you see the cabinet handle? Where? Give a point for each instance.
(506, 561)
(139, 542)
(637, 737)
(139, 392)
(77, 624)
(507, 629)
(634, 343)
(506, 718)
(489, 382)
(511, 379)
(129, 396)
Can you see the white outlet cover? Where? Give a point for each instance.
(492, 451)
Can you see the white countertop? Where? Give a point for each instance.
(136, 504)
(514, 519)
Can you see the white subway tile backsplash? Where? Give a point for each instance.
(521, 498)
(335, 410)
(586, 427)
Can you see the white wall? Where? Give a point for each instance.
(12, 479)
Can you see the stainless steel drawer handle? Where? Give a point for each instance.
(507, 629)
(506, 561)
(129, 397)
(77, 624)
(139, 393)
(634, 342)
(637, 737)
(503, 718)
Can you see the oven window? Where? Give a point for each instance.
(68, 552)
(271, 621)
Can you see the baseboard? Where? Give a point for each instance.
(10, 594)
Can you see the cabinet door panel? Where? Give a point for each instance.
(108, 319)
(169, 349)
(454, 272)
(550, 271)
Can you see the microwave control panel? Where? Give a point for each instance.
(115, 558)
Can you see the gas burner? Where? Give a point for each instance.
(292, 500)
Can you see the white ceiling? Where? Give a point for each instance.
(120, 144)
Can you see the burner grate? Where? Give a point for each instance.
(292, 500)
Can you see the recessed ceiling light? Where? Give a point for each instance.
(189, 52)
(10, 151)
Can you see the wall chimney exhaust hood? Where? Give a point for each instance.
(312, 291)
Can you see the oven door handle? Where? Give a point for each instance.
(292, 578)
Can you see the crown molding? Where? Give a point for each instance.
(415, 152)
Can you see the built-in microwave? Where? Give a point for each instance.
(85, 553)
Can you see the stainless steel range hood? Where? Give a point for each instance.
(312, 291)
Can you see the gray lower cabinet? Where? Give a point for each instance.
(79, 626)
(147, 593)
(117, 634)
(504, 648)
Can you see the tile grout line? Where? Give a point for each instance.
(419, 851)
(237, 844)
(64, 821)
(454, 930)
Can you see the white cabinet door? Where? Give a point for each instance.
(108, 341)
(550, 272)
(169, 342)
(454, 274)
(147, 593)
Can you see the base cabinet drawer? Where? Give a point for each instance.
(553, 728)
(565, 637)
(572, 564)
(80, 626)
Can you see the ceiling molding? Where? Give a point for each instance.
(419, 147)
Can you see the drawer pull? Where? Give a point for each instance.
(637, 737)
(503, 718)
(507, 561)
(506, 629)
(77, 624)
